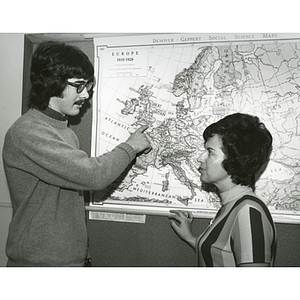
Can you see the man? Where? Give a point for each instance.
(45, 168)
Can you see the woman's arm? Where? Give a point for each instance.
(252, 237)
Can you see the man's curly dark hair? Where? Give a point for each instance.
(53, 63)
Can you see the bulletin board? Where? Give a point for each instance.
(178, 84)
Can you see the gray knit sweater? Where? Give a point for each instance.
(45, 170)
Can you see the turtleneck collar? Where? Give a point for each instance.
(234, 193)
(54, 114)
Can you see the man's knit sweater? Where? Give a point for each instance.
(45, 170)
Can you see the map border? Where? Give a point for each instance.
(170, 39)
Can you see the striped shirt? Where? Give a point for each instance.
(242, 232)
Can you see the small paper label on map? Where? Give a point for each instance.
(117, 217)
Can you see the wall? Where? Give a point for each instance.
(11, 66)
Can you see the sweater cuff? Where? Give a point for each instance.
(128, 149)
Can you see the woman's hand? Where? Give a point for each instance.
(181, 222)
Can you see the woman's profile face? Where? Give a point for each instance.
(211, 168)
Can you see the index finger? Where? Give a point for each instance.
(142, 128)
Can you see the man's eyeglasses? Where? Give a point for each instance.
(80, 86)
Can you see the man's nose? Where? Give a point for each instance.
(84, 94)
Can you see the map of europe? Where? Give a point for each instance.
(178, 90)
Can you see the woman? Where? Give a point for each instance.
(243, 232)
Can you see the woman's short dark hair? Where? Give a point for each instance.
(51, 66)
(246, 143)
